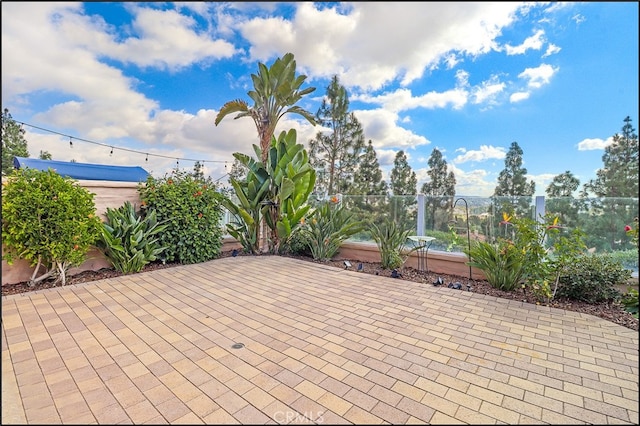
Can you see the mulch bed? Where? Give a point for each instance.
(612, 311)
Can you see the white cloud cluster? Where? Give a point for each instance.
(84, 65)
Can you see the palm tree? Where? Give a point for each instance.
(277, 90)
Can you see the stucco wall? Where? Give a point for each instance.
(437, 261)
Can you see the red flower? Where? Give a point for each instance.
(199, 215)
(627, 228)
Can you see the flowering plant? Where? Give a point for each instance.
(632, 231)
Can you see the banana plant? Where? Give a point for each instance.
(292, 181)
(250, 192)
(276, 193)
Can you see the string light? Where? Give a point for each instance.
(111, 153)
(120, 148)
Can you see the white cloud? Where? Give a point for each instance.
(403, 100)
(552, 49)
(590, 144)
(537, 77)
(360, 43)
(380, 125)
(487, 92)
(486, 152)
(519, 96)
(534, 42)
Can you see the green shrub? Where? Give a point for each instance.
(391, 240)
(630, 301)
(297, 244)
(592, 278)
(130, 241)
(47, 220)
(191, 208)
(502, 263)
(628, 258)
(327, 228)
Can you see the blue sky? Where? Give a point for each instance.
(466, 78)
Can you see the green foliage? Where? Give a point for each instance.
(47, 220)
(337, 150)
(501, 262)
(276, 90)
(191, 208)
(440, 191)
(291, 182)
(251, 192)
(630, 301)
(391, 239)
(130, 241)
(297, 244)
(628, 258)
(619, 176)
(592, 278)
(276, 192)
(537, 255)
(327, 228)
(13, 142)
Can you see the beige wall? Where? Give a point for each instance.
(437, 261)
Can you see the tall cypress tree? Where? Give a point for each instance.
(336, 152)
(439, 191)
(404, 186)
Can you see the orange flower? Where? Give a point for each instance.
(199, 215)
(335, 200)
(554, 225)
(506, 219)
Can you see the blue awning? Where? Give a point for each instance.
(85, 171)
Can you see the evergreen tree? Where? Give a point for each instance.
(619, 176)
(336, 152)
(198, 173)
(369, 190)
(368, 177)
(560, 199)
(563, 185)
(404, 186)
(513, 192)
(439, 191)
(13, 142)
(616, 189)
(45, 155)
(238, 171)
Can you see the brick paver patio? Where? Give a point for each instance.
(319, 345)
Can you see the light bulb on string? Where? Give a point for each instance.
(111, 153)
(147, 158)
(70, 142)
